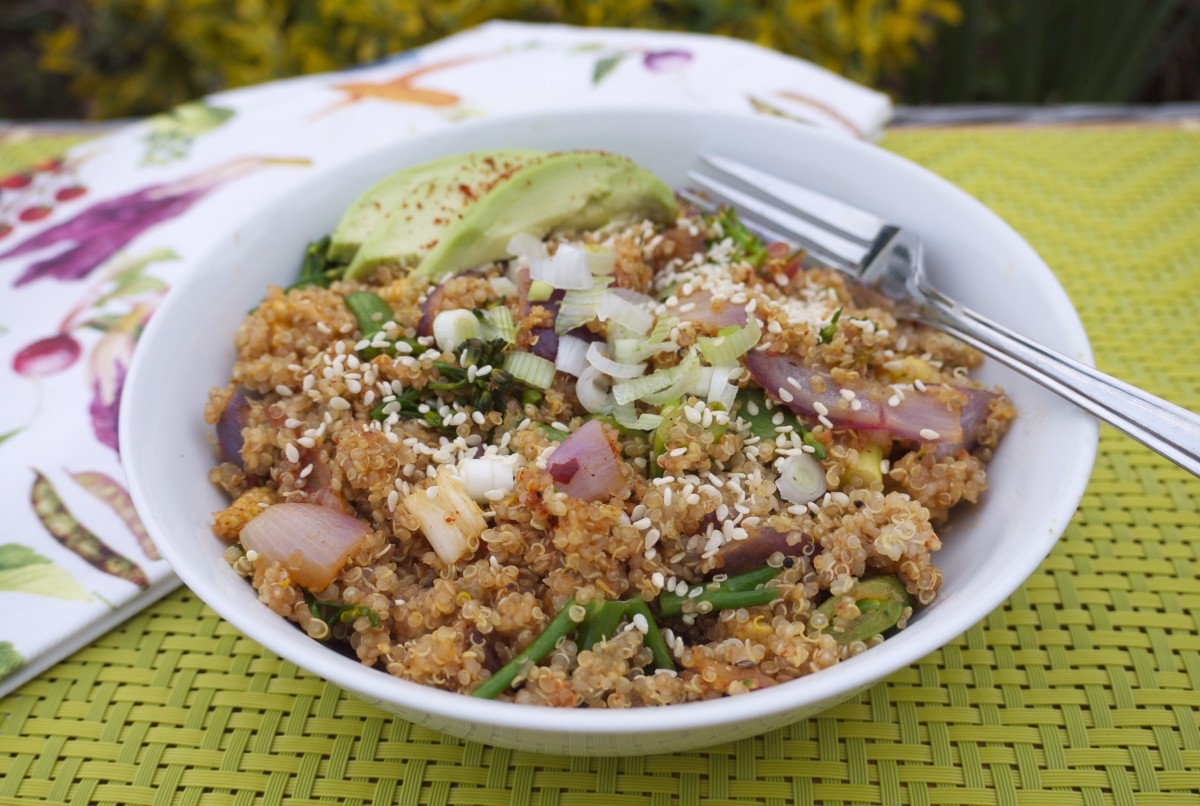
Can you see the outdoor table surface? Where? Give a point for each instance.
(1083, 688)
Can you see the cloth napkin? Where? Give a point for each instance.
(91, 243)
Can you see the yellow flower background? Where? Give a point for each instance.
(128, 57)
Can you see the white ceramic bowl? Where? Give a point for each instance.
(1036, 479)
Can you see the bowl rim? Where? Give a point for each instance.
(852, 674)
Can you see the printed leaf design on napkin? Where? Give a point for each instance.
(97, 233)
(7, 435)
(169, 136)
(605, 66)
(23, 570)
(114, 494)
(76, 537)
(10, 659)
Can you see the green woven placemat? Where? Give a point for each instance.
(1081, 689)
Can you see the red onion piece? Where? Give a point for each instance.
(230, 425)
(312, 542)
(702, 312)
(973, 419)
(915, 417)
(775, 372)
(545, 343)
(585, 465)
(741, 556)
(921, 413)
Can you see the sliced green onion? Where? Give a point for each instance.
(720, 388)
(499, 321)
(627, 417)
(801, 479)
(566, 268)
(615, 369)
(539, 291)
(530, 368)
(690, 369)
(629, 308)
(526, 245)
(600, 259)
(662, 328)
(452, 328)
(594, 390)
(580, 306)
(638, 388)
(726, 349)
(632, 351)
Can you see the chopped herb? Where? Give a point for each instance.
(316, 268)
(407, 405)
(825, 334)
(746, 245)
(333, 612)
(485, 392)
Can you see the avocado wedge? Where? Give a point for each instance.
(408, 200)
(463, 212)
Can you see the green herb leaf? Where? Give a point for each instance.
(746, 245)
(604, 67)
(825, 334)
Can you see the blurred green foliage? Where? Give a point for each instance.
(135, 57)
(127, 57)
(1056, 51)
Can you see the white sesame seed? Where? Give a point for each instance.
(306, 442)
(292, 422)
(820, 407)
(431, 492)
(855, 405)
(929, 433)
(786, 396)
(678, 452)
(919, 385)
(283, 391)
(825, 421)
(291, 453)
(894, 401)
(642, 524)
(339, 403)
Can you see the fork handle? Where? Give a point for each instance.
(1170, 430)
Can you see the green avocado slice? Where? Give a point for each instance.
(576, 190)
(407, 201)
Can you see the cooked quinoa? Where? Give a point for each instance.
(696, 500)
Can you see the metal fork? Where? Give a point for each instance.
(889, 260)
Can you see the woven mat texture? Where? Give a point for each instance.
(1084, 688)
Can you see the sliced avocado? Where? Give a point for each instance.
(403, 206)
(577, 190)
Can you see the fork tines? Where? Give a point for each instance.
(832, 231)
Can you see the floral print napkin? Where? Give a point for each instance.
(90, 243)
